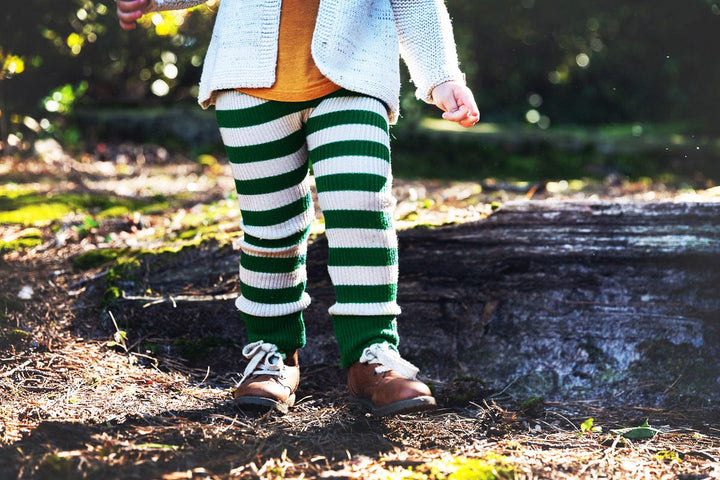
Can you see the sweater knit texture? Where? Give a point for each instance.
(356, 44)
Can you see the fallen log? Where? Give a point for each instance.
(564, 300)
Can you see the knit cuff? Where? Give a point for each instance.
(287, 332)
(355, 333)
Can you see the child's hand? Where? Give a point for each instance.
(458, 103)
(128, 12)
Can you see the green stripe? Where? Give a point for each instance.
(275, 216)
(272, 184)
(346, 117)
(259, 114)
(357, 219)
(271, 264)
(365, 293)
(291, 241)
(361, 182)
(286, 331)
(272, 296)
(267, 151)
(362, 257)
(344, 148)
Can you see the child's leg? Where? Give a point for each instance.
(265, 143)
(348, 145)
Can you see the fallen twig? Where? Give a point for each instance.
(12, 371)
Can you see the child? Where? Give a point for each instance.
(300, 82)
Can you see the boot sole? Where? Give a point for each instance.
(410, 405)
(263, 404)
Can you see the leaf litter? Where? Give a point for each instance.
(79, 399)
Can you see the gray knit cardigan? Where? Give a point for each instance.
(356, 44)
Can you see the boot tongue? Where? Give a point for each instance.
(388, 359)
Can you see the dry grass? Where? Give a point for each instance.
(72, 406)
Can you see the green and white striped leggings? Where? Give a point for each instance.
(344, 136)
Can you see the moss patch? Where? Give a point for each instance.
(15, 339)
(489, 467)
(40, 214)
(28, 207)
(29, 238)
(96, 258)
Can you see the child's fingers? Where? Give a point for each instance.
(130, 5)
(465, 97)
(127, 26)
(455, 115)
(458, 103)
(129, 12)
(462, 116)
(127, 20)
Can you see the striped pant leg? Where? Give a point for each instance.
(265, 143)
(348, 143)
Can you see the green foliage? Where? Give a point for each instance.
(55, 56)
(88, 225)
(531, 62)
(591, 62)
(518, 152)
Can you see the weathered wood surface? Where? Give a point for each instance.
(566, 300)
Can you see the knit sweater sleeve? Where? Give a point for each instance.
(427, 44)
(157, 5)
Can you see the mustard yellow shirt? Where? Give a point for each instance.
(297, 77)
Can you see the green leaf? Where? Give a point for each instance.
(588, 426)
(669, 456)
(120, 336)
(156, 446)
(637, 433)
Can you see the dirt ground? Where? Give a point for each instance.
(79, 398)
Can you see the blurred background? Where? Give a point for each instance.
(566, 87)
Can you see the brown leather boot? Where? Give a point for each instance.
(385, 384)
(269, 382)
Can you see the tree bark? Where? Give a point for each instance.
(564, 300)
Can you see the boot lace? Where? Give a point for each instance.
(264, 360)
(388, 359)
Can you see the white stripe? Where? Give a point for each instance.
(361, 238)
(234, 100)
(279, 252)
(354, 200)
(267, 201)
(338, 104)
(262, 133)
(364, 275)
(383, 308)
(281, 230)
(348, 132)
(272, 281)
(271, 310)
(268, 168)
(352, 164)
